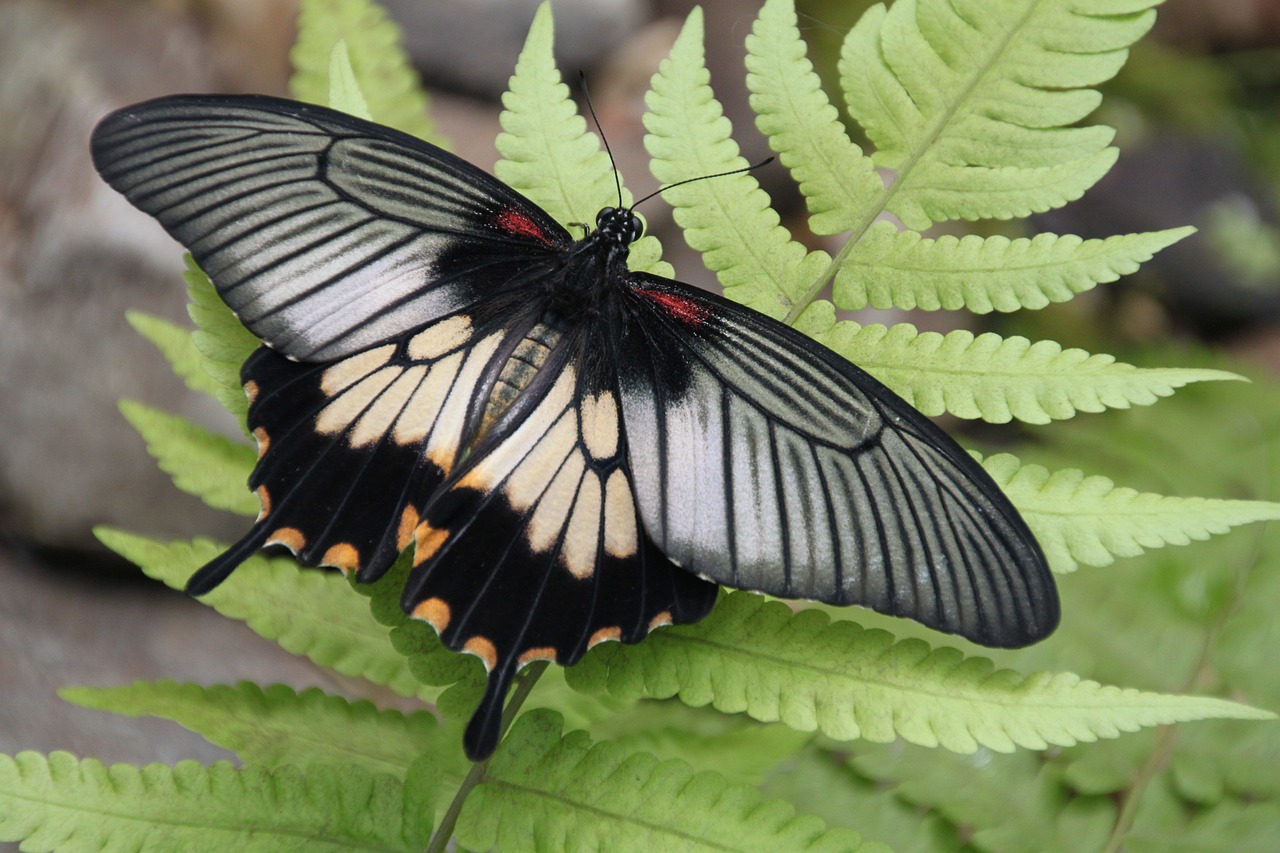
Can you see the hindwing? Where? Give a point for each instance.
(351, 451)
(534, 550)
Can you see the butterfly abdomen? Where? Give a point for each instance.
(517, 373)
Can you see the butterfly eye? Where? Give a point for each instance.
(637, 229)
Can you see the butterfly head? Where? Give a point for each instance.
(619, 226)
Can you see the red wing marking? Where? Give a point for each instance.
(685, 310)
(515, 222)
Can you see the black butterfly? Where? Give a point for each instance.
(576, 452)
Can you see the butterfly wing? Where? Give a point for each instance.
(351, 451)
(324, 233)
(534, 550)
(764, 461)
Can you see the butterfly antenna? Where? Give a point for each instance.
(765, 162)
(586, 96)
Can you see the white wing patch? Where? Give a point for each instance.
(424, 402)
(550, 469)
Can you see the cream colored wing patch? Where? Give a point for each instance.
(560, 468)
(417, 393)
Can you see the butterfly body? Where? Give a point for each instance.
(574, 452)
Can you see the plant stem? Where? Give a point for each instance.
(525, 681)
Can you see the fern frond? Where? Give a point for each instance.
(1089, 519)
(64, 804)
(803, 126)
(729, 220)
(274, 726)
(972, 103)
(428, 660)
(822, 783)
(900, 269)
(756, 657)
(345, 93)
(201, 463)
(1001, 379)
(221, 339)
(382, 70)
(309, 613)
(177, 347)
(740, 749)
(547, 792)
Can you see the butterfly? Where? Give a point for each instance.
(575, 452)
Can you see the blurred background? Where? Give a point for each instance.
(1199, 130)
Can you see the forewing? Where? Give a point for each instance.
(534, 549)
(764, 461)
(350, 452)
(324, 233)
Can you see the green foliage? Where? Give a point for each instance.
(1090, 520)
(383, 74)
(276, 726)
(61, 803)
(1001, 379)
(889, 268)
(976, 107)
(201, 463)
(975, 104)
(728, 220)
(545, 792)
(758, 657)
(308, 613)
(177, 345)
(221, 340)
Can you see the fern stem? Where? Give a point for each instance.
(900, 174)
(526, 680)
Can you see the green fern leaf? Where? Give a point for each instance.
(178, 348)
(822, 783)
(277, 726)
(221, 339)
(545, 792)
(804, 127)
(309, 613)
(548, 153)
(61, 803)
(754, 656)
(893, 269)
(740, 749)
(1091, 520)
(729, 220)
(1002, 379)
(383, 72)
(426, 657)
(201, 463)
(972, 102)
(344, 89)
(1010, 803)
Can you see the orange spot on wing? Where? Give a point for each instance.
(264, 498)
(531, 655)
(427, 541)
(251, 391)
(484, 649)
(264, 441)
(290, 537)
(408, 521)
(663, 618)
(435, 611)
(342, 556)
(604, 635)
